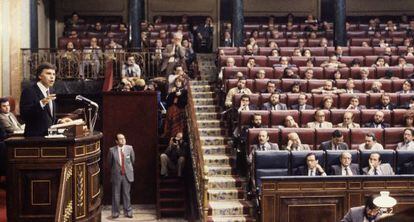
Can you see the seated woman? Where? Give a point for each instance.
(380, 62)
(295, 88)
(407, 87)
(327, 103)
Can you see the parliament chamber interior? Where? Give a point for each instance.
(215, 111)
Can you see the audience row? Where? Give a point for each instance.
(300, 139)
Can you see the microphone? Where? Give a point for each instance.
(86, 100)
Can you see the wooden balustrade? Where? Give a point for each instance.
(201, 182)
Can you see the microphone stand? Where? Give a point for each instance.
(92, 120)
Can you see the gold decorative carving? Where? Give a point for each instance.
(80, 205)
(68, 212)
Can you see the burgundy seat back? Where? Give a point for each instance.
(307, 116)
(358, 136)
(317, 72)
(367, 115)
(323, 135)
(344, 99)
(386, 84)
(245, 117)
(252, 138)
(292, 98)
(306, 135)
(337, 116)
(265, 97)
(254, 100)
(268, 72)
(230, 72)
(398, 117)
(375, 99)
(277, 117)
(318, 100)
(392, 136)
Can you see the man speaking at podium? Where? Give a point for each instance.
(37, 106)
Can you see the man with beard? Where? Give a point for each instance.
(368, 213)
(239, 89)
(274, 103)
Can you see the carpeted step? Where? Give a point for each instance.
(226, 182)
(220, 170)
(220, 149)
(207, 108)
(172, 202)
(225, 194)
(172, 212)
(239, 218)
(210, 124)
(212, 132)
(203, 94)
(197, 83)
(204, 101)
(208, 116)
(217, 160)
(171, 192)
(202, 88)
(230, 208)
(214, 140)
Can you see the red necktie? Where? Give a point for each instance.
(122, 163)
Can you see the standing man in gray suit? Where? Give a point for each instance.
(376, 167)
(121, 159)
(369, 213)
(274, 103)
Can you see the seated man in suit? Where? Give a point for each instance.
(354, 104)
(347, 168)
(240, 135)
(336, 143)
(294, 143)
(386, 103)
(319, 121)
(312, 167)
(376, 167)
(378, 121)
(239, 89)
(370, 143)
(263, 145)
(230, 62)
(8, 121)
(348, 121)
(245, 104)
(368, 213)
(376, 87)
(290, 122)
(274, 103)
(301, 105)
(409, 104)
(408, 143)
(350, 86)
(270, 87)
(327, 88)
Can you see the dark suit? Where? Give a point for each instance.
(279, 106)
(373, 125)
(304, 171)
(337, 169)
(296, 107)
(37, 119)
(327, 145)
(355, 214)
(390, 106)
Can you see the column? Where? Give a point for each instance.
(339, 23)
(34, 32)
(52, 24)
(135, 23)
(238, 22)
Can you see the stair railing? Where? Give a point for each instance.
(64, 208)
(201, 181)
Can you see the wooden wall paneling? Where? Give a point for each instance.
(379, 7)
(281, 8)
(135, 115)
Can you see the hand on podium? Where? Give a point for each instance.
(65, 120)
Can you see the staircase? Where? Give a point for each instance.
(171, 195)
(226, 190)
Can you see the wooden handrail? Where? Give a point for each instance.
(64, 206)
(201, 181)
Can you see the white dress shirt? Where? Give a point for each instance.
(45, 91)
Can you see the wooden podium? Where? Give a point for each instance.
(54, 179)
